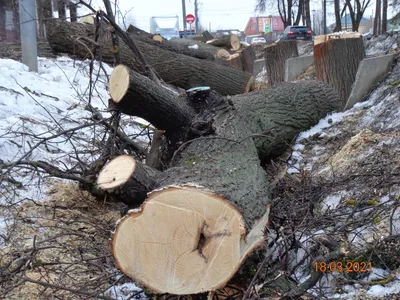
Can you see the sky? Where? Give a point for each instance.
(213, 14)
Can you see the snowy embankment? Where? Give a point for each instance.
(354, 156)
(36, 110)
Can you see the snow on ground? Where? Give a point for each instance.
(382, 44)
(358, 149)
(35, 106)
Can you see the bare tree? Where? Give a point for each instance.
(384, 15)
(377, 17)
(357, 12)
(284, 9)
(338, 26)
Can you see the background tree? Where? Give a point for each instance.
(357, 12)
(338, 26)
(384, 15)
(377, 17)
(284, 9)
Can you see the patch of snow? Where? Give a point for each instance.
(38, 105)
(262, 76)
(125, 291)
(332, 201)
(194, 46)
(325, 123)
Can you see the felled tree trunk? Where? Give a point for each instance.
(228, 41)
(181, 70)
(193, 224)
(275, 116)
(196, 44)
(157, 40)
(337, 61)
(275, 60)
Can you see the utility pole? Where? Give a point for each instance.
(196, 15)
(184, 17)
(27, 17)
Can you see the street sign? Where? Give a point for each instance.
(190, 19)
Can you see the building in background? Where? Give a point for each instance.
(269, 27)
(366, 25)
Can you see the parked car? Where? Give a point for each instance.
(258, 40)
(297, 33)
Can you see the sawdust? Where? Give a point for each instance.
(364, 144)
(62, 241)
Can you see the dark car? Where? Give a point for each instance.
(297, 33)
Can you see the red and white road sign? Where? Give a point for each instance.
(190, 19)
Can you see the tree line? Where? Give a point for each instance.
(292, 12)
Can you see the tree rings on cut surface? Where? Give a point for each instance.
(116, 172)
(183, 241)
(119, 82)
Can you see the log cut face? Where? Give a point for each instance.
(190, 235)
(180, 70)
(281, 112)
(183, 241)
(126, 180)
(137, 95)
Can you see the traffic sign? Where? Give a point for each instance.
(190, 19)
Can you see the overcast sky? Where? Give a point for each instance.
(219, 14)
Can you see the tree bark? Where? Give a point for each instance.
(3, 33)
(172, 114)
(141, 35)
(62, 10)
(248, 57)
(336, 63)
(275, 59)
(338, 26)
(207, 36)
(274, 116)
(384, 15)
(299, 12)
(202, 207)
(277, 115)
(199, 45)
(73, 12)
(307, 12)
(181, 70)
(228, 41)
(194, 220)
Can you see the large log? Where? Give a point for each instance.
(230, 41)
(181, 70)
(281, 112)
(277, 114)
(193, 226)
(193, 44)
(337, 61)
(157, 40)
(275, 60)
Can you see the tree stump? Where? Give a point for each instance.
(337, 60)
(276, 56)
